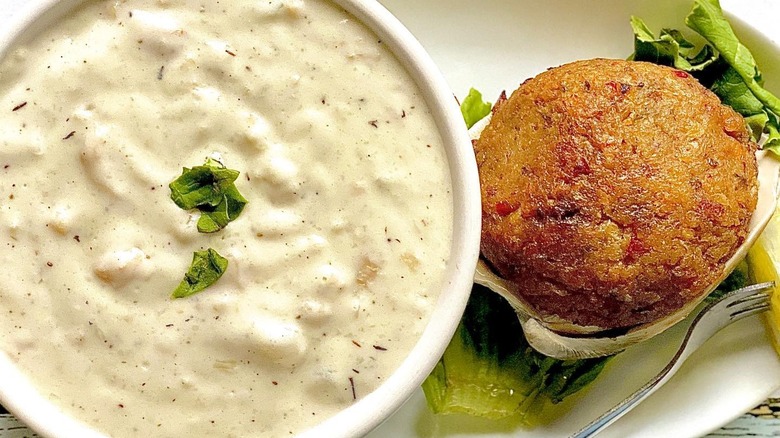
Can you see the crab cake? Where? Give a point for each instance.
(614, 192)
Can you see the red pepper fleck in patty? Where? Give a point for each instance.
(504, 208)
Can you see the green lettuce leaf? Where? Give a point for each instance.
(670, 48)
(473, 108)
(489, 370)
(206, 268)
(707, 19)
(733, 92)
(739, 278)
(772, 131)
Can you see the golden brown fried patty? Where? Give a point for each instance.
(613, 192)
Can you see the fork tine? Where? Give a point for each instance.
(746, 301)
(759, 297)
(751, 304)
(741, 298)
(754, 291)
(759, 301)
(749, 311)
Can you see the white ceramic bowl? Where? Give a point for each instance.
(26, 18)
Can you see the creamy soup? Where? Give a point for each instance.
(333, 265)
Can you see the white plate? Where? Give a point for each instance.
(494, 45)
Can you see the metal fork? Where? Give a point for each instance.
(731, 307)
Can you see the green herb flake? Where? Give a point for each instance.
(211, 189)
(206, 268)
(474, 108)
(231, 205)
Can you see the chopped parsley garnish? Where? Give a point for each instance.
(206, 268)
(209, 188)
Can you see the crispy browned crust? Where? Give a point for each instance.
(613, 192)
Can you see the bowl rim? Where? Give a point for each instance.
(22, 399)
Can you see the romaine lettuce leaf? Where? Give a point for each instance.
(670, 48)
(489, 370)
(739, 278)
(707, 19)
